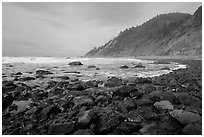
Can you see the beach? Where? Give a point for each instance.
(104, 97)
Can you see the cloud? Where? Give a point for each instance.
(72, 29)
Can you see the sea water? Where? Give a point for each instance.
(107, 67)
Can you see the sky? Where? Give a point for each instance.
(72, 29)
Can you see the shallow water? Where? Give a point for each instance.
(107, 67)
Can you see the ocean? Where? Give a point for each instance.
(107, 67)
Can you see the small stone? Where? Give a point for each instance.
(164, 105)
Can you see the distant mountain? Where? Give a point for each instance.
(166, 34)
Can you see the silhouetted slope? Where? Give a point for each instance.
(165, 34)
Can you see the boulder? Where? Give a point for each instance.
(165, 104)
(125, 91)
(8, 86)
(91, 66)
(43, 72)
(75, 63)
(86, 118)
(129, 127)
(161, 62)
(82, 101)
(83, 132)
(139, 65)
(27, 78)
(101, 99)
(60, 128)
(113, 81)
(185, 117)
(165, 68)
(192, 129)
(50, 110)
(124, 67)
(108, 122)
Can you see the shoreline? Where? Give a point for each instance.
(120, 107)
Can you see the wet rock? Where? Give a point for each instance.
(192, 129)
(56, 91)
(18, 73)
(125, 91)
(164, 105)
(43, 72)
(185, 117)
(7, 100)
(75, 72)
(129, 127)
(27, 78)
(86, 118)
(13, 107)
(8, 86)
(91, 66)
(165, 68)
(83, 132)
(128, 104)
(133, 116)
(101, 99)
(147, 127)
(113, 81)
(64, 77)
(143, 101)
(161, 62)
(108, 122)
(75, 63)
(167, 96)
(82, 101)
(124, 67)
(76, 93)
(143, 80)
(50, 110)
(139, 65)
(60, 129)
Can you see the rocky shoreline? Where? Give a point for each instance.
(169, 104)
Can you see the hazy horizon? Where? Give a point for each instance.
(72, 29)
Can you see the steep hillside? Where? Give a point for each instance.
(166, 34)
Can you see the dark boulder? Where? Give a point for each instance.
(91, 66)
(27, 78)
(161, 62)
(82, 101)
(83, 132)
(8, 86)
(7, 100)
(50, 110)
(129, 127)
(113, 81)
(165, 68)
(108, 122)
(139, 65)
(124, 67)
(75, 63)
(192, 129)
(60, 128)
(43, 72)
(125, 91)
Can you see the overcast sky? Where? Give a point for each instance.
(72, 29)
